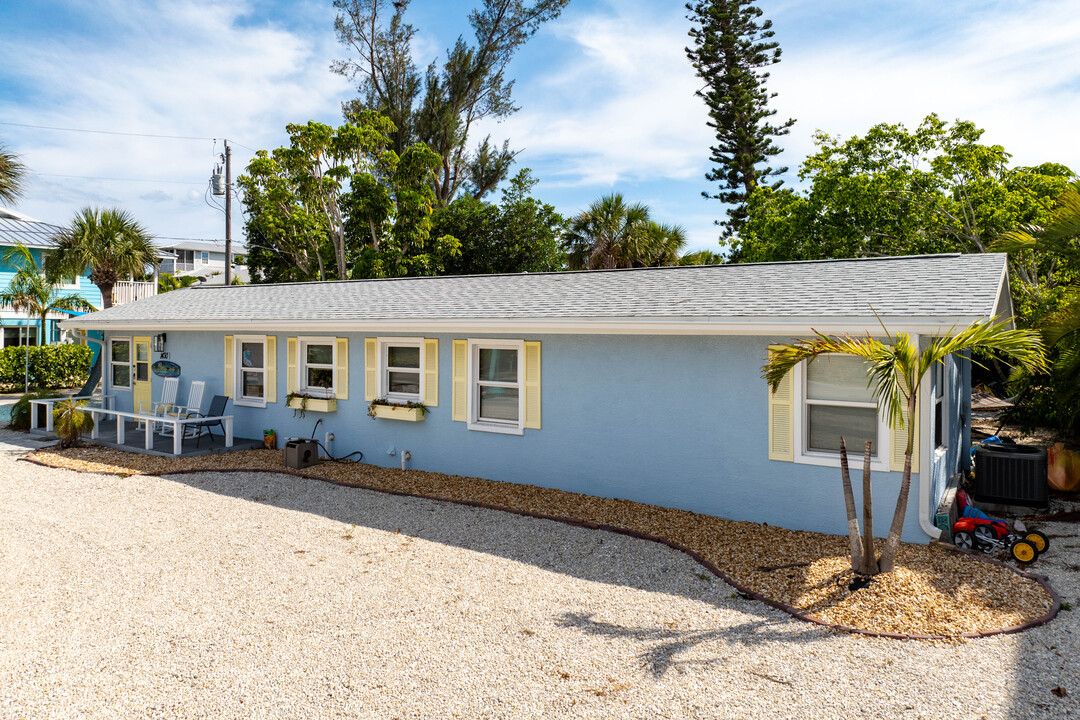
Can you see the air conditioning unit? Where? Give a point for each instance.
(1011, 475)
(300, 454)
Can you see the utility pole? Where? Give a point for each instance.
(228, 214)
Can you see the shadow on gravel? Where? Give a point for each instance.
(665, 645)
(1047, 658)
(593, 555)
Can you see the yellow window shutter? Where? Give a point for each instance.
(271, 368)
(899, 444)
(532, 385)
(341, 386)
(229, 365)
(782, 420)
(371, 369)
(461, 381)
(292, 359)
(431, 372)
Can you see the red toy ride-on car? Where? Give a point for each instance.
(972, 533)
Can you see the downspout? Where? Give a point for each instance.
(926, 456)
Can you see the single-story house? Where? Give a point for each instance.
(642, 384)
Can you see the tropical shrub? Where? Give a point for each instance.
(50, 366)
(20, 411)
(71, 422)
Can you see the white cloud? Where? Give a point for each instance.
(1011, 69)
(169, 68)
(618, 102)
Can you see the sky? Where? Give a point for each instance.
(606, 94)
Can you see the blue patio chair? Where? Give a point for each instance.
(217, 409)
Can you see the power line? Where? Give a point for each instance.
(127, 134)
(94, 177)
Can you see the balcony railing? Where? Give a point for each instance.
(126, 292)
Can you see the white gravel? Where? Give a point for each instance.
(266, 596)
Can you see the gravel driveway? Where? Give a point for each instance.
(260, 595)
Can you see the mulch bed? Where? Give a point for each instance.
(935, 591)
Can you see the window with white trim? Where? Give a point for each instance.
(205, 258)
(120, 363)
(401, 369)
(938, 375)
(318, 366)
(250, 367)
(496, 378)
(835, 400)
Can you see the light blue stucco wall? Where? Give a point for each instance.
(678, 421)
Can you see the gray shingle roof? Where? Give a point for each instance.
(922, 286)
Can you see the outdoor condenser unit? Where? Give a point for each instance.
(300, 454)
(1011, 475)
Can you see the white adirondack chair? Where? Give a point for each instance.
(191, 407)
(165, 403)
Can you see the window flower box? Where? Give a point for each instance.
(397, 412)
(311, 404)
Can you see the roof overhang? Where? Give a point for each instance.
(936, 325)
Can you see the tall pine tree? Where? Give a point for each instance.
(732, 46)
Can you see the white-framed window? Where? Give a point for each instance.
(834, 400)
(250, 367)
(204, 258)
(401, 369)
(938, 375)
(120, 363)
(496, 398)
(20, 335)
(318, 366)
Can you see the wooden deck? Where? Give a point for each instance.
(135, 439)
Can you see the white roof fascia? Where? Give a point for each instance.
(579, 326)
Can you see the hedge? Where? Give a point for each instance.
(51, 366)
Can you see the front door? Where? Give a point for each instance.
(141, 395)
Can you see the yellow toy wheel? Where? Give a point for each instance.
(1037, 539)
(1024, 551)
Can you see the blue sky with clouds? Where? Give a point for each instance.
(606, 93)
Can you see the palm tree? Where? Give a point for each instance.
(895, 370)
(109, 243)
(168, 281)
(606, 233)
(32, 292)
(12, 173)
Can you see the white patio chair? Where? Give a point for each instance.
(164, 403)
(190, 408)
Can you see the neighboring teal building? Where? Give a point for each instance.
(15, 328)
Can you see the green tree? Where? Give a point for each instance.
(341, 203)
(109, 243)
(32, 292)
(12, 176)
(612, 233)
(898, 192)
(895, 370)
(1051, 398)
(732, 48)
(440, 108)
(521, 234)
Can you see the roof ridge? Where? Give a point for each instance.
(564, 273)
